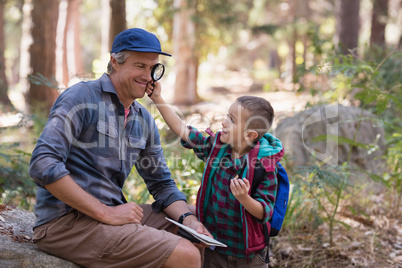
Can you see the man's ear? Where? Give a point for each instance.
(113, 61)
(252, 135)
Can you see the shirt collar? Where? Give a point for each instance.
(107, 86)
(237, 163)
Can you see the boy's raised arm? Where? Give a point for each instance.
(175, 123)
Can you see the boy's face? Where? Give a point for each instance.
(233, 131)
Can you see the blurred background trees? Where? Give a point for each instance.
(4, 99)
(70, 39)
(327, 51)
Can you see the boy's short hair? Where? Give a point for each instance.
(261, 114)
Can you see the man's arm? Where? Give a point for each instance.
(175, 123)
(69, 192)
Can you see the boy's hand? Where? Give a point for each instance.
(153, 89)
(239, 188)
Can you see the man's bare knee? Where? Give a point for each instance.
(185, 255)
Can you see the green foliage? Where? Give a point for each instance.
(302, 211)
(374, 84)
(327, 186)
(378, 82)
(269, 29)
(217, 23)
(186, 170)
(17, 188)
(40, 80)
(393, 176)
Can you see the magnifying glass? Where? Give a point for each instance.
(156, 73)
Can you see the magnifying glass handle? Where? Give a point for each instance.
(153, 85)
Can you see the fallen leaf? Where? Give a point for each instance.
(398, 259)
(355, 244)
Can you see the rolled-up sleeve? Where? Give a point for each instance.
(201, 145)
(265, 194)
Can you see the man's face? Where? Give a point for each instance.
(131, 77)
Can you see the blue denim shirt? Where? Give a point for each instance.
(85, 138)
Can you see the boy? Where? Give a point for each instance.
(226, 205)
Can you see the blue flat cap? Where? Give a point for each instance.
(136, 39)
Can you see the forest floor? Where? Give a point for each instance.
(373, 240)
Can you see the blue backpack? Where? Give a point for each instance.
(281, 203)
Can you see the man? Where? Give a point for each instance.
(95, 134)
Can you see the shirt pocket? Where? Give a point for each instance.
(135, 145)
(107, 139)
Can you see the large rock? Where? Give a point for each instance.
(297, 134)
(16, 247)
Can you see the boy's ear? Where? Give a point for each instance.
(251, 135)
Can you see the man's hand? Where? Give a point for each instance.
(123, 214)
(69, 192)
(178, 208)
(194, 223)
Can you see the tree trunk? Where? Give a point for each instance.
(61, 63)
(14, 78)
(348, 25)
(4, 100)
(118, 21)
(105, 49)
(292, 40)
(71, 44)
(275, 60)
(186, 63)
(378, 22)
(26, 41)
(42, 92)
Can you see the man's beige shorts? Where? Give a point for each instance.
(89, 243)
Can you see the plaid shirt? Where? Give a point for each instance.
(223, 214)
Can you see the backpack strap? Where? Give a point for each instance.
(266, 234)
(259, 174)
